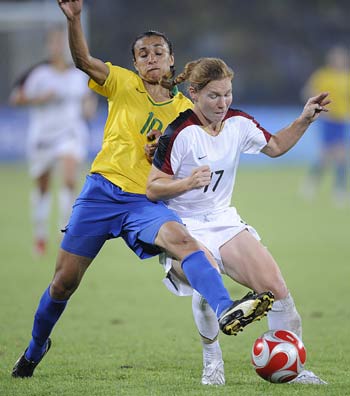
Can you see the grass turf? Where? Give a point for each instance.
(123, 333)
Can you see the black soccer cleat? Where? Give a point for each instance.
(250, 308)
(24, 368)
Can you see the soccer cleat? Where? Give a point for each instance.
(308, 378)
(213, 373)
(250, 308)
(24, 368)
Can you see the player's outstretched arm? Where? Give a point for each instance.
(287, 137)
(93, 67)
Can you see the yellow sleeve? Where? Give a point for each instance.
(100, 89)
(117, 75)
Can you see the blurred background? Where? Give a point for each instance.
(272, 45)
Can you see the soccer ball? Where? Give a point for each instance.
(278, 356)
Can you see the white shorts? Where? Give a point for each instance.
(44, 151)
(213, 231)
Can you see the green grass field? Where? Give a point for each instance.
(123, 333)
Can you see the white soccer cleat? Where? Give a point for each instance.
(213, 373)
(307, 377)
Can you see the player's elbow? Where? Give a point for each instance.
(274, 148)
(151, 193)
(275, 153)
(83, 61)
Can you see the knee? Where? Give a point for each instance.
(62, 287)
(175, 238)
(69, 183)
(179, 235)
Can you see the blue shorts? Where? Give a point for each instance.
(333, 133)
(103, 211)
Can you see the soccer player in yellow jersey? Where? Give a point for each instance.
(113, 203)
(122, 158)
(333, 77)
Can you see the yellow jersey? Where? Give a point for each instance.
(337, 83)
(132, 113)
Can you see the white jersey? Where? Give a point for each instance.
(56, 128)
(206, 212)
(185, 145)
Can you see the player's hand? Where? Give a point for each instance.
(154, 134)
(71, 8)
(150, 148)
(315, 106)
(48, 97)
(200, 177)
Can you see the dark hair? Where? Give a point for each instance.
(150, 33)
(169, 77)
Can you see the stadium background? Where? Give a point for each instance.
(123, 333)
(273, 46)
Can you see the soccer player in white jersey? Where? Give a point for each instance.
(194, 170)
(60, 101)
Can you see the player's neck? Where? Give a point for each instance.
(157, 92)
(209, 127)
(59, 64)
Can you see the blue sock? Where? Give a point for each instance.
(207, 281)
(46, 316)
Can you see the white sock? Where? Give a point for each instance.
(41, 206)
(208, 328)
(284, 315)
(204, 317)
(211, 352)
(66, 198)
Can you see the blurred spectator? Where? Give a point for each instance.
(60, 102)
(273, 50)
(333, 77)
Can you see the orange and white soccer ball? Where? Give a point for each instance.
(278, 356)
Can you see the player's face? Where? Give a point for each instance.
(214, 100)
(152, 58)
